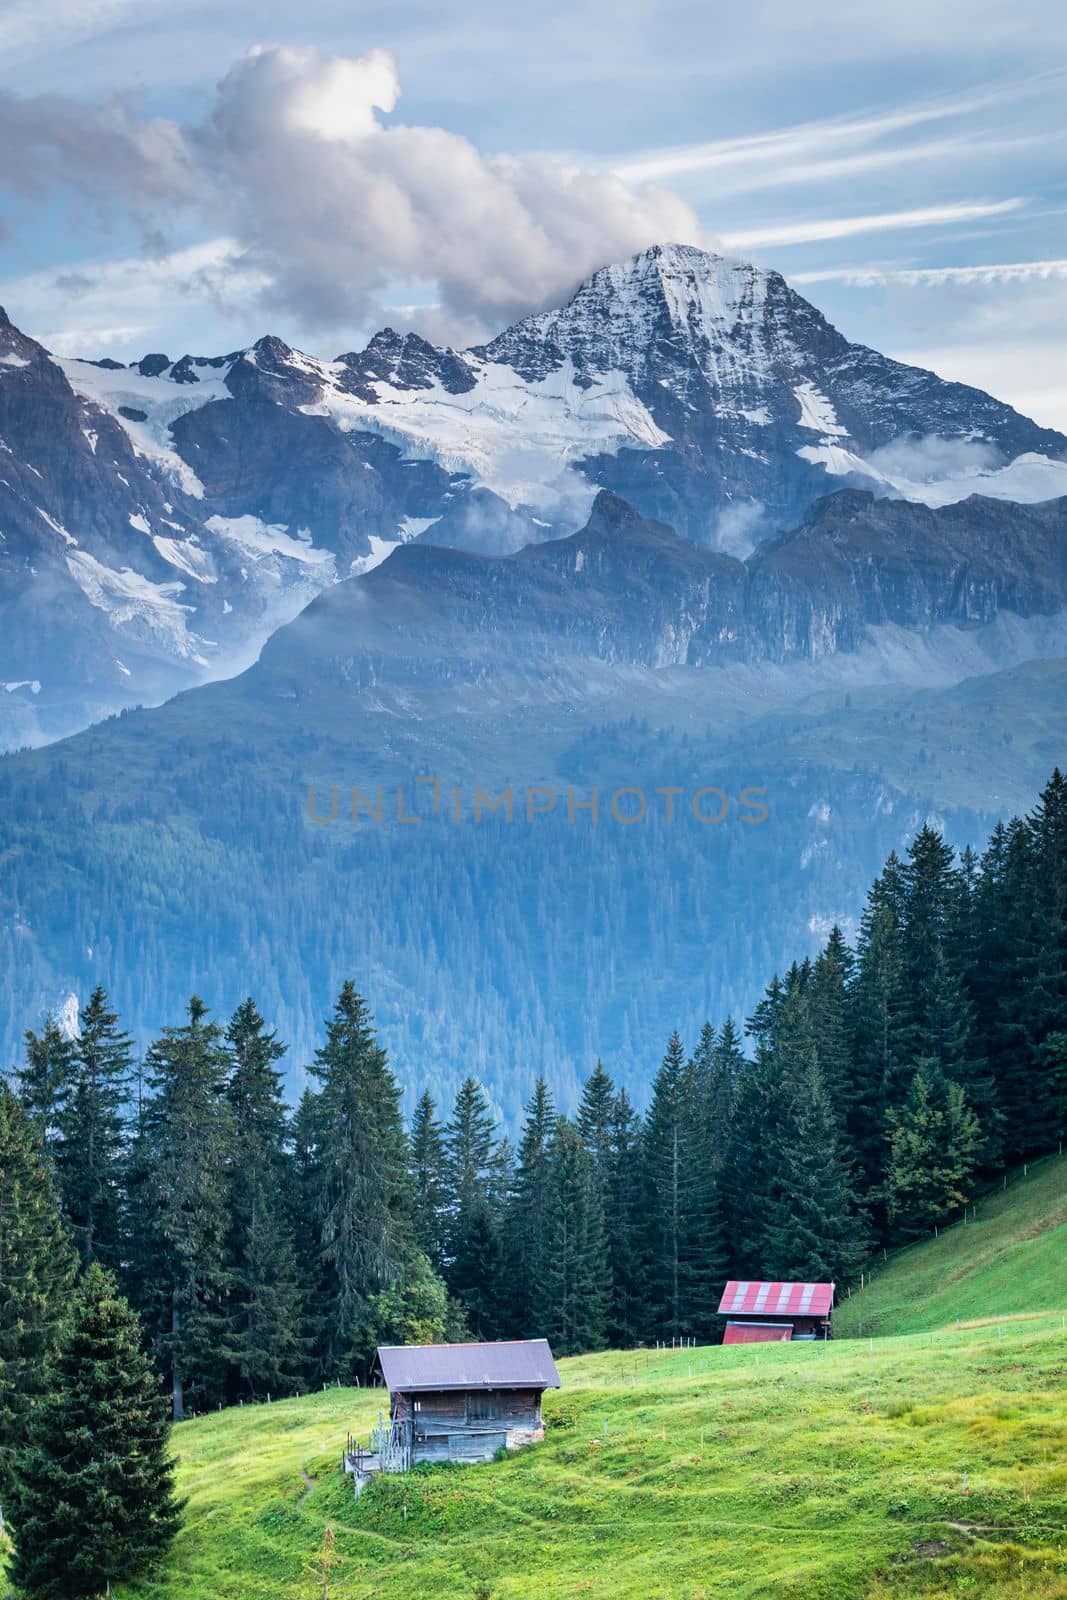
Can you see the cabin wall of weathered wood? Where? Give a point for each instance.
(469, 1424)
(506, 1410)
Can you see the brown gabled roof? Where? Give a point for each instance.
(508, 1364)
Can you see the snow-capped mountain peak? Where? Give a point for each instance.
(183, 508)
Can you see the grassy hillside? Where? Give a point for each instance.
(931, 1465)
(1008, 1260)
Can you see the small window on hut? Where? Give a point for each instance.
(483, 1406)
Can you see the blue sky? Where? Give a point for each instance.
(447, 166)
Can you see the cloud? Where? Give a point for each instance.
(812, 231)
(739, 528)
(329, 206)
(760, 158)
(931, 277)
(89, 296)
(932, 457)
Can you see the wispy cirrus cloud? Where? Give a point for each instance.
(826, 146)
(812, 230)
(917, 277)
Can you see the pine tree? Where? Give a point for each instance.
(571, 1296)
(999, 977)
(935, 1140)
(429, 1170)
(36, 1269)
(469, 1143)
(363, 1178)
(314, 1284)
(525, 1247)
(813, 1229)
(264, 1341)
(828, 1003)
(475, 1269)
(187, 1144)
(90, 1156)
(45, 1079)
(1043, 1011)
(475, 1252)
(727, 1064)
(94, 1496)
(663, 1163)
(938, 1018)
(683, 1259)
(880, 1069)
(1047, 827)
(596, 1124)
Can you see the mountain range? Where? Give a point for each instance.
(676, 537)
(159, 521)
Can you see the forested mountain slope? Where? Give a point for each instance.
(848, 671)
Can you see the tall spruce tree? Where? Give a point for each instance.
(188, 1139)
(812, 1227)
(880, 1066)
(596, 1124)
(314, 1285)
(831, 1019)
(728, 1060)
(1044, 1009)
(90, 1155)
(525, 1246)
(934, 1148)
(475, 1247)
(94, 1496)
(938, 1018)
(429, 1171)
(571, 1295)
(36, 1271)
(264, 1332)
(45, 1078)
(1000, 973)
(682, 1259)
(627, 1312)
(363, 1178)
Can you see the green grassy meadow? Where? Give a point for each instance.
(927, 1460)
(925, 1465)
(1010, 1259)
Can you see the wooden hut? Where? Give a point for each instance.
(457, 1402)
(758, 1312)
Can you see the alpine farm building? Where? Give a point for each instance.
(760, 1312)
(457, 1402)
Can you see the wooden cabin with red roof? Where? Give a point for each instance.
(760, 1313)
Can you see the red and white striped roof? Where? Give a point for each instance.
(776, 1299)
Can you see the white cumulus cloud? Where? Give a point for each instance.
(329, 205)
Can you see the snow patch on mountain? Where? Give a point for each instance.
(817, 412)
(144, 407)
(134, 603)
(56, 527)
(258, 538)
(187, 557)
(511, 435)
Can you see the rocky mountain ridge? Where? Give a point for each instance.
(159, 521)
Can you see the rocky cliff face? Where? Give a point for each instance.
(159, 521)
